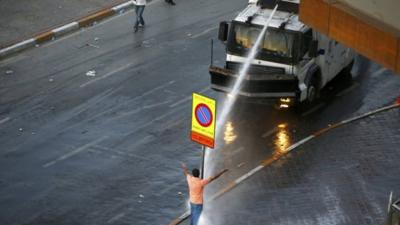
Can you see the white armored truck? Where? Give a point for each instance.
(293, 60)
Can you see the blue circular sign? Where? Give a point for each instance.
(203, 115)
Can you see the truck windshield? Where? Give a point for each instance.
(276, 44)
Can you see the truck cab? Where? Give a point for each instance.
(293, 60)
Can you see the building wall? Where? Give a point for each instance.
(367, 35)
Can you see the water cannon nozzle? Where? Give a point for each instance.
(249, 19)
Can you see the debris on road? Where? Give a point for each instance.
(96, 39)
(91, 45)
(146, 43)
(141, 196)
(8, 72)
(180, 193)
(91, 73)
(21, 130)
(240, 165)
(51, 80)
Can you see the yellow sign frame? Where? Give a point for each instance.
(203, 129)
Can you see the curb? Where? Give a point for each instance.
(65, 29)
(276, 157)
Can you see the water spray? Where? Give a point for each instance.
(227, 107)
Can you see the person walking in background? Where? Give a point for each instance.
(171, 2)
(196, 188)
(139, 8)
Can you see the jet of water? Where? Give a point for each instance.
(227, 107)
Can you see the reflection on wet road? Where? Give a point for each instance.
(257, 134)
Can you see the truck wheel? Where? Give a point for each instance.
(312, 95)
(312, 91)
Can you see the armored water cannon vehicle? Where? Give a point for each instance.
(293, 63)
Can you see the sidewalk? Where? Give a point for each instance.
(20, 20)
(342, 177)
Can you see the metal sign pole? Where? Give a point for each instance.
(203, 148)
(212, 52)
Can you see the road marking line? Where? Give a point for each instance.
(347, 90)
(150, 122)
(249, 174)
(204, 32)
(115, 218)
(74, 152)
(269, 133)
(152, 90)
(119, 105)
(235, 151)
(180, 102)
(297, 144)
(107, 75)
(188, 98)
(315, 108)
(4, 120)
(137, 110)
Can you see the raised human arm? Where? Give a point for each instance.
(184, 168)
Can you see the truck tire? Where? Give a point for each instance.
(313, 89)
(313, 92)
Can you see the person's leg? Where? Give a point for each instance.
(192, 213)
(137, 17)
(141, 20)
(200, 209)
(195, 213)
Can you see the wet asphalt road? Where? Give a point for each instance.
(76, 149)
(342, 177)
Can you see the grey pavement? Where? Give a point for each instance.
(23, 19)
(343, 177)
(78, 149)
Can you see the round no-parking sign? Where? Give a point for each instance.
(203, 115)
